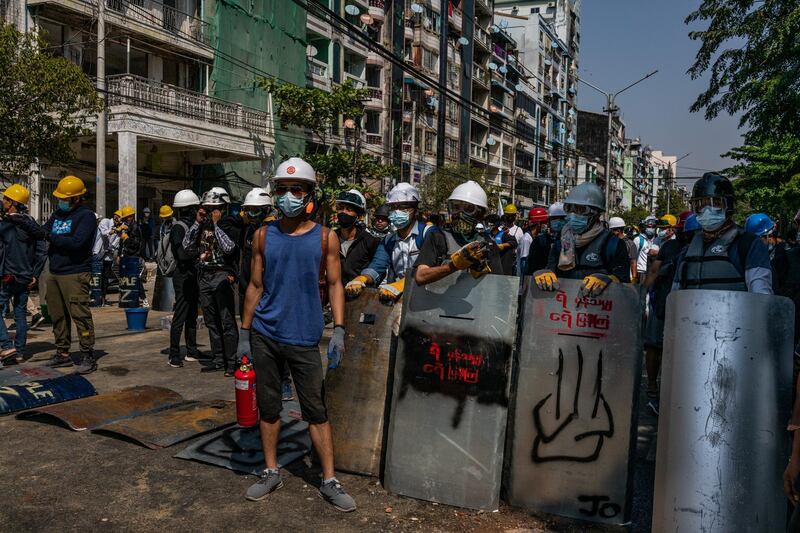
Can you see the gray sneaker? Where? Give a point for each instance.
(333, 493)
(88, 363)
(269, 482)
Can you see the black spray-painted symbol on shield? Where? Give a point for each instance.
(572, 423)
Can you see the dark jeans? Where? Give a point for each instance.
(184, 318)
(305, 364)
(18, 294)
(219, 315)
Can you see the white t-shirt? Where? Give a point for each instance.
(525, 246)
(644, 246)
(516, 232)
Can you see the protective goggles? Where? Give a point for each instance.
(463, 207)
(403, 206)
(297, 190)
(698, 204)
(579, 209)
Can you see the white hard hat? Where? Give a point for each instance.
(185, 198)
(257, 197)
(296, 168)
(616, 222)
(556, 210)
(402, 192)
(352, 197)
(470, 192)
(215, 196)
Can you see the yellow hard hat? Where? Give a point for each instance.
(70, 187)
(17, 193)
(126, 211)
(118, 212)
(667, 221)
(165, 211)
(510, 209)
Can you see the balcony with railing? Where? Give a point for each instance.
(374, 138)
(476, 151)
(482, 38)
(480, 116)
(358, 82)
(317, 73)
(480, 76)
(125, 89)
(377, 9)
(455, 19)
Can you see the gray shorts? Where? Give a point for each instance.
(305, 365)
(653, 331)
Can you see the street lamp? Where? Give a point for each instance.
(610, 110)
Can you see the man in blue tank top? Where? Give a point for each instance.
(293, 259)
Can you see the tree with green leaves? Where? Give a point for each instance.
(677, 203)
(312, 108)
(44, 100)
(340, 170)
(751, 52)
(436, 187)
(632, 216)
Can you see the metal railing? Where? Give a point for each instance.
(317, 68)
(125, 89)
(479, 75)
(155, 13)
(482, 36)
(374, 138)
(375, 93)
(380, 4)
(358, 83)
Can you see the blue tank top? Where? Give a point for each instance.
(290, 310)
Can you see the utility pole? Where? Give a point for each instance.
(398, 21)
(610, 110)
(413, 139)
(442, 107)
(100, 180)
(669, 178)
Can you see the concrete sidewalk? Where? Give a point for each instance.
(57, 479)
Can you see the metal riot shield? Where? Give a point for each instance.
(356, 391)
(163, 293)
(570, 443)
(725, 401)
(450, 391)
(96, 283)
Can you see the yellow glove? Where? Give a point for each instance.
(124, 236)
(503, 246)
(479, 270)
(469, 255)
(391, 292)
(594, 285)
(354, 288)
(546, 280)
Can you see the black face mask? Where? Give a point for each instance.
(346, 221)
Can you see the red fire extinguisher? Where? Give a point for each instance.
(246, 405)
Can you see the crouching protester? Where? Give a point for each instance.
(461, 246)
(587, 249)
(399, 250)
(24, 253)
(284, 309)
(71, 230)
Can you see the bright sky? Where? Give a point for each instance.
(621, 41)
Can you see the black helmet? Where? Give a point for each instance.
(382, 211)
(713, 185)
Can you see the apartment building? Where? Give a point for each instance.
(592, 142)
(164, 127)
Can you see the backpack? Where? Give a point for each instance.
(166, 260)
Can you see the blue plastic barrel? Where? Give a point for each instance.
(137, 318)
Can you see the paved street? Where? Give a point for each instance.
(57, 478)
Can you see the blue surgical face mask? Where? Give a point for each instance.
(290, 205)
(650, 232)
(711, 218)
(662, 233)
(399, 218)
(557, 226)
(64, 205)
(577, 223)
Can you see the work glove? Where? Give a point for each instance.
(469, 255)
(353, 288)
(479, 270)
(243, 348)
(503, 246)
(336, 347)
(389, 293)
(546, 280)
(594, 285)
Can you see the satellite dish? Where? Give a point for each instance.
(555, 44)
(493, 28)
(463, 41)
(519, 87)
(502, 70)
(492, 65)
(416, 8)
(351, 9)
(504, 24)
(490, 141)
(311, 51)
